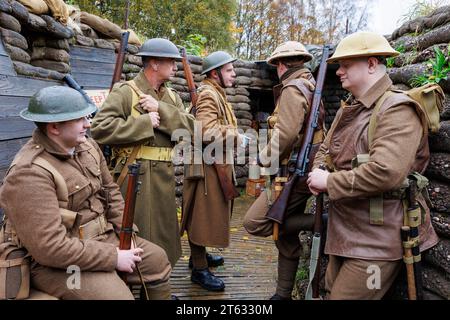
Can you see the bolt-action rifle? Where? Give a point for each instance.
(306, 153)
(126, 230)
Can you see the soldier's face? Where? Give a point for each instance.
(228, 75)
(72, 133)
(353, 73)
(166, 68)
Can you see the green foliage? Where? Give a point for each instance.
(422, 8)
(440, 69)
(302, 273)
(390, 61)
(173, 20)
(195, 44)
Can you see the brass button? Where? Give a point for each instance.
(77, 187)
(37, 147)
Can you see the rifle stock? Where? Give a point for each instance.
(278, 209)
(228, 189)
(189, 77)
(130, 201)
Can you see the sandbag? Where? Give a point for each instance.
(84, 41)
(19, 11)
(101, 25)
(9, 22)
(52, 43)
(36, 23)
(28, 70)
(58, 10)
(102, 43)
(52, 65)
(56, 28)
(17, 54)
(14, 38)
(35, 6)
(50, 54)
(88, 31)
(133, 38)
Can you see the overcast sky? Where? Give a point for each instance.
(387, 14)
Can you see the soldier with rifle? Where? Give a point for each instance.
(138, 119)
(366, 168)
(63, 207)
(207, 199)
(294, 97)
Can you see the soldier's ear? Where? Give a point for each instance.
(53, 128)
(373, 65)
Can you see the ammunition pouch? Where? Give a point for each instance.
(145, 153)
(94, 228)
(376, 202)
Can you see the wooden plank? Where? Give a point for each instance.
(11, 106)
(92, 81)
(83, 66)
(15, 128)
(22, 86)
(8, 150)
(2, 49)
(6, 66)
(93, 54)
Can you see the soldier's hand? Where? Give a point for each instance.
(148, 103)
(154, 116)
(127, 259)
(317, 181)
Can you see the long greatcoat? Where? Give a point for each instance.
(155, 214)
(206, 213)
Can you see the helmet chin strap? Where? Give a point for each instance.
(219, 72)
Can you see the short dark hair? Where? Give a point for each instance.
(42, 126)
(291, 62)
(381, 59)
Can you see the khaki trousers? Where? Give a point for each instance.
(256, 223)
(288, 243)
(102, 285)
(356, 279)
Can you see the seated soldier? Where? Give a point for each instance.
(79, 227)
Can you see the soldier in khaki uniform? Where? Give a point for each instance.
(206, 213)
(60, 199)
(293, 100)
(141, 115)
(358, 236)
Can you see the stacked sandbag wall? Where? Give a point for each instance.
(418, 40)
(36, 42)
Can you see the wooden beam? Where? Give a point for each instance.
(15, 128)
(18, 86)
(6, 66)
(11, 106)
(93, 54)
(83, 66)
(9, 148)
(92, 81)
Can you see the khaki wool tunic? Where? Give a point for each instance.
(29, 197)
(155, 214)
(206, 213)
(399, 147)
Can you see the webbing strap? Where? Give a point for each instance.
(373, 116)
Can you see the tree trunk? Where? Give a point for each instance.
(440, 141)
(441, 224)
(439, 167)
(438, 256)
(439, 194)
